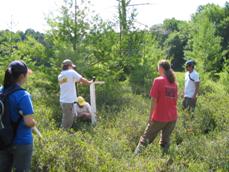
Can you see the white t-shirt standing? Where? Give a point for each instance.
(190, 83)
(67, 80)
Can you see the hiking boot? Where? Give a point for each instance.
(164, 149)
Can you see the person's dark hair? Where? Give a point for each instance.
(167, 70)
(65, 67)
(79, 105)
(192, 66)
(13, 72)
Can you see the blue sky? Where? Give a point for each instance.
(23, 14)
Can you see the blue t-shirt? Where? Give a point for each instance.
(21, 101)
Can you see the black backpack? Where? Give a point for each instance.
(8, 128)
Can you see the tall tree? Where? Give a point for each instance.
(219, 18)
(70, 25)
(125, 16)
(205, 45)
(176, 38)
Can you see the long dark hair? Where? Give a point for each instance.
(167, 70)
(13, 72)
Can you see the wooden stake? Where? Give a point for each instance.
(93, 95)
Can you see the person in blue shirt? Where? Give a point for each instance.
(18, 157)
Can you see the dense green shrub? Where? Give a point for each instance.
(109, 146)
(127, 63)
(122, 118)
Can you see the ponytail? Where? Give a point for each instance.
(13, 72)
(8, 79)
(168, 72)
(170, 75)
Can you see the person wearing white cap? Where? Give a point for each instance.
(67, 79)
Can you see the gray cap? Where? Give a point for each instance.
(68, 62)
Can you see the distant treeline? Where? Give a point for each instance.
(129, 54)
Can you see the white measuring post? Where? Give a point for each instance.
(93, 95)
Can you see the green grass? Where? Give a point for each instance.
(109, 146)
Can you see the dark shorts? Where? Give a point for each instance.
(189, 104)
(17, 158)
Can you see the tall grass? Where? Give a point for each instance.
(109, 146)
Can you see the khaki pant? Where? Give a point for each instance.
(68, 115)
(151, 132)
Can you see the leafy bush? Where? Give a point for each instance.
(122, 119)
(127, 63)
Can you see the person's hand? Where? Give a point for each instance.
(90, 82)
(86, 114)
(194, 97)
(35, 122)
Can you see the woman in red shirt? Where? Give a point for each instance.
(163, 114)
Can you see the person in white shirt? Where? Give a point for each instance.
(67, 81)
(191, 89)
(83, 111)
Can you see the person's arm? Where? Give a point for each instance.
(153, 104)
(197, 84)
(182, 93)
(89, 111)
(85, 81)
(26, 110)
(80, 79)
(85, 113)
(154, 94)
(29, 121)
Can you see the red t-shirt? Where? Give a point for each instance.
(166, 96)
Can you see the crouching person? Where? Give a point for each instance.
(163, 113)
(83, 111)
